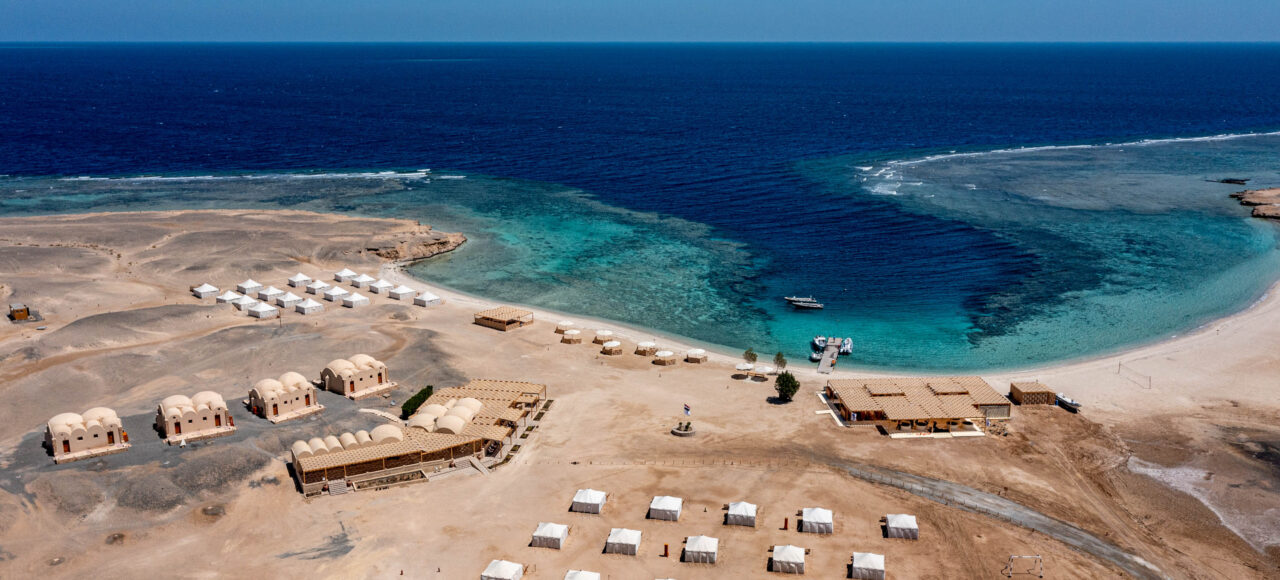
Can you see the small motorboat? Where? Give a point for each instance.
(846, 346)
(807, 305)
(1068, 403)
(795, 299)
(820, 342)
(815, 356)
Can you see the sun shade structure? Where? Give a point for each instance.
(664, 358)
(581, 575)
(701, 549)
(933, 401)
(248, 287)
(263, 310)
(1032, 393)
(288, 300)
(205, 291)
(502, 570)
(763, 370)
(343, 275)
(696, 355)
(202, 416)
(564, 325)
(362, 280)
(745, 367)
(611, 347)
(228, 297)
(355, 300)
(425, 298)
(504, 318)
(309, 306)
(571, 336)
(788, 559)
(269, 293)
(741, 513)
(646, 348)
(588, 501)
(623, 541)
(816, 520)
(335, 293)
(318, 287)
(603, 336)
(96, 432)
(867, 566)
(665, 507)
(402, 292)
(549, 535)
(901, 526)
(299, 280)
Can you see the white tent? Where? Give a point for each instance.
(309, 306)
(288, 300)
(269, 293)
(335, 294)
(402, 292)
(764, 370)
(362, 280)
(263, 310)
(502, 570)
(426, 299)
(317, 287)
(343, 275)
(696, 355)
(788, 559)
(205, 290)
(248, 287)
(299, 280)
(741, 513)
(581, 575)
(228, 296)
(549, 535)
(588, 501)
(243, 302)
(745, 366)
(816, 520)
(665, 507)
(902, 526)
(701, 549)
(623, 541)
(355, 300)
(868, 566)
(381, 287)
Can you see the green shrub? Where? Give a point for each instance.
(787, 385)
(411, 406)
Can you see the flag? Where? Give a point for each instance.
(687, 409)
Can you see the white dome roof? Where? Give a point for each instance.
(364, 361)
(102, 415)
(340, 364)
(450, 424)
(424, 422)
(176, 401)
(317, 446)
(348, 441)
(433, 410)
(301, 449)
(292, 380)
(363, 438)
(386, 433)
(210, 399)
(471, 403)
(462, 412)
(64, 423)
(266, 387)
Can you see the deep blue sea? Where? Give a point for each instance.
(956, 207)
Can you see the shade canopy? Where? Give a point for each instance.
(788, 559)
(745, 366)
(741, 513)
(817, 520)
(665, 507)
(701, 549)
(868, 566)
(581, 575)
(549, 535)
(502, 570)
(623, 541)
(589, 501)
(902, 526)
(611, 344)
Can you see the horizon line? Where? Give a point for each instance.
(702, 42)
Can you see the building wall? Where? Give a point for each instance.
(192, 423)
(350, 381)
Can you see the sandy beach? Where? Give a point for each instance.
(1172, 460)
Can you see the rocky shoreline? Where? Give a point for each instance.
(1265, 202)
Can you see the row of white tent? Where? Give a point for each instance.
(262, 307)
(376, 286)
(787, 559)
(504, 570)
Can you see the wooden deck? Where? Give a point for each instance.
(829, 354)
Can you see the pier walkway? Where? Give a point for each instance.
(829, 354)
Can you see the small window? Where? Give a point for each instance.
(190, 421)
(79, 438)
(95, 435)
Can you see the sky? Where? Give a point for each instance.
(642, 20)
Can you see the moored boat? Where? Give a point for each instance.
(846, 346)
(820, 342)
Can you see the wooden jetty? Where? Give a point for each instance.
(829, 354)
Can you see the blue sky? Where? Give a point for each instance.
(640, 20)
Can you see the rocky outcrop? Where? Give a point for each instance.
(419, 244)
(1265, 202)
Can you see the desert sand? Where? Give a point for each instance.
(1180, 472)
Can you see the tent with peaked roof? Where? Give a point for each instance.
(228, 297)
(788, 559)
(816, 520)
(588, 501)
(741, 513)
(502, 570)
(549, 535)
(362, 280)
(581, 575)
(381, 286)
(299, 280)
(288, 300)
(335, 294)
(318, 287)
(623, 541)
(665, 507)
(402, 292)
(867, 566)
(309, 306)
(701, 549)
(243, 302)
(263, 310)
(901, 526)
(425, 298)
(248, 287)
(269, 293)
(355, 300)
(205, 290)
(343, 275)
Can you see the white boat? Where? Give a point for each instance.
(815, 356)
(1068, 403)
(846, 347)
(795, 299)
(820, 342)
